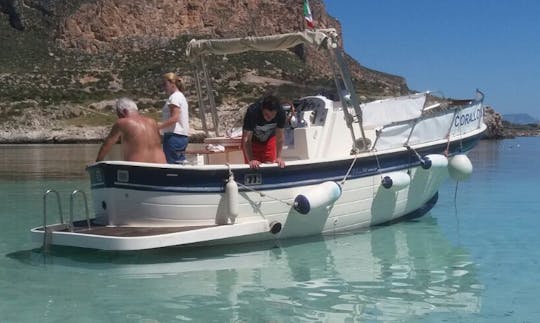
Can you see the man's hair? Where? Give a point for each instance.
(271, 103)
(125, 104)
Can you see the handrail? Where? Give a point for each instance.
(414, 121)
(45, 212)
(73, 194)
(425, 116)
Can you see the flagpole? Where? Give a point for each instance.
(302, 23)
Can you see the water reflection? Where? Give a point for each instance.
(395, 273)
(38, 161)
(485, 157)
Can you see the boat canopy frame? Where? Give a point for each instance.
(322, 39)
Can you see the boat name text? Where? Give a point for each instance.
(468, 117)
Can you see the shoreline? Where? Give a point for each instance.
(96, 135)
(71, 135)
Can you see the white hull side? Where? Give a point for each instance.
(364, 202)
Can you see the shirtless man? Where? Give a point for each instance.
(141, 141)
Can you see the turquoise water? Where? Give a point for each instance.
(473, 258)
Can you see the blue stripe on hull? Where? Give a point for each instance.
(190, 180)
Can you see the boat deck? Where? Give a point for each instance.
(103, 237)
(110, 231)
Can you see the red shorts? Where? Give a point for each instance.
(265, 152)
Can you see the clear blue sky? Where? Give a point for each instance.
(453, 46)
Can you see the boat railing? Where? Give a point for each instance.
(405, 130)
(47, 229)
(71, 199)
(60, 213)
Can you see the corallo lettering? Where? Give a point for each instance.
(468, 117)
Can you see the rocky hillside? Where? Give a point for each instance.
(64, 62)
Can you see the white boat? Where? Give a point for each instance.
(349, 166)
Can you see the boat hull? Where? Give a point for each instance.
(125, 194)
(114, 238)
(196, 212)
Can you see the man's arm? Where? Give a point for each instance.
(280, 135)
(247, 148)
(111, 139)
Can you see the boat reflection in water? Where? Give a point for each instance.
(399, 272)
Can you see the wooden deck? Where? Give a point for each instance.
(101, 230)
(138, 238)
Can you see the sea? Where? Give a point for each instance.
(474, 257)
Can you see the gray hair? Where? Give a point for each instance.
(125, 104)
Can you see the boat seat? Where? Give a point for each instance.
(305, 143)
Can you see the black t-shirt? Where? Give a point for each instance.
(262, 129)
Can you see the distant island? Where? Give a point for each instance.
(520, 125)
(500, 127)
(521, 130)
(519, 119)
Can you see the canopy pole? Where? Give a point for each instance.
(347, 80)
(201, 102)
(210, 97)
(344, 103)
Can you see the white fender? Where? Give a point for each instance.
(460, 167)
(322, 194)
(434, 160)
(231, 192)
(395, 180)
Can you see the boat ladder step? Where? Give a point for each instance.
(48, 229)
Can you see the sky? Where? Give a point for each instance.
(451, 46)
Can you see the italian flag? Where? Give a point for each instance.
(307, 15)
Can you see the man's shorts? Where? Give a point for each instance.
(265, 152)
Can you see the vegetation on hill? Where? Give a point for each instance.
(46, 84)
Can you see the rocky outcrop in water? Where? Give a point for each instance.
(495, 127)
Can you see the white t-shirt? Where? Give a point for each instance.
(181, 126)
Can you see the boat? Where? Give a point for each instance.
(349, 165)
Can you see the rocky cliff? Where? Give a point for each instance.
(64, 62)
(495, 127)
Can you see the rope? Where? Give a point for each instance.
(414, 151)
(456, 215)
(352, 164)
(261, 194)
(378, 163)
(349, 170)
(447, 150)
(264, 194)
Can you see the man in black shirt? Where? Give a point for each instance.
(262, 135)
